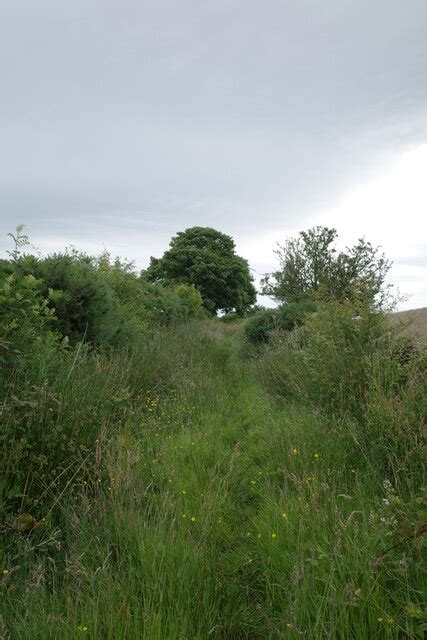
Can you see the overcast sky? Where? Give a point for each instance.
(124, 121)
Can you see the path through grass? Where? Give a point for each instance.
(219, 513)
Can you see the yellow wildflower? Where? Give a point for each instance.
(274, 535)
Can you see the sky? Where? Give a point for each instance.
(125, 121)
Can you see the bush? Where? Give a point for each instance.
(25, 322)
(259, 327)
(262, 325)
(324, 362)
(191, 299)
(293, 314)
(230, 317)
(349, 366)
(86, 306)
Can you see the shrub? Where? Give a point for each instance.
(25, 322)
(86, 306)
(190, 298)
(293, 314)
(230, 317)
(146, 305)
(261, 326)
(348, 366)
(324, 361)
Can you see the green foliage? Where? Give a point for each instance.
(191, 299)
(261, 326)
(100, 302)
(26, 321)
(50, 428)
(293, 314)
(198, 485)
(230, 317)
(206, 258)
(348, 365)
(139, 480)
(145, 305)
(311, 267)
(86, 307)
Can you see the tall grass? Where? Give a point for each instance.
(208, 495)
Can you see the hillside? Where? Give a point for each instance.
(417, 322)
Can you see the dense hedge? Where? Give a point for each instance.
(82, 298)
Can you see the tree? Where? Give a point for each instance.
(206, 258)
(312, 268)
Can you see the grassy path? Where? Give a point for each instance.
(226, 516)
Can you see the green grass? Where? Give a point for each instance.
(212, 509)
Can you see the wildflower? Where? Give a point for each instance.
(259, 535)
(184, 515)
(290, 625)
(316, 456)
(353, 471)
(5, 572)
(220, 520)
(380, 619)
(386, 501)
(294, 451)
(253, 481)
(250, 561)
(193, 519)
(285, 516)
(82, 628)
(184, 492)
(274, 535)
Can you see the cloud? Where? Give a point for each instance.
(123, 122)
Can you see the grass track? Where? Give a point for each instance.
(220, 514)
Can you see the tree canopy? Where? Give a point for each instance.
(206, 258)
(312, 268)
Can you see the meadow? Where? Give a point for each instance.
(186, 484)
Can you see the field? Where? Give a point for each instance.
(205, 504)
(417, 322)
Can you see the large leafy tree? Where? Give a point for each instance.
(206, 258)
(310, 266)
